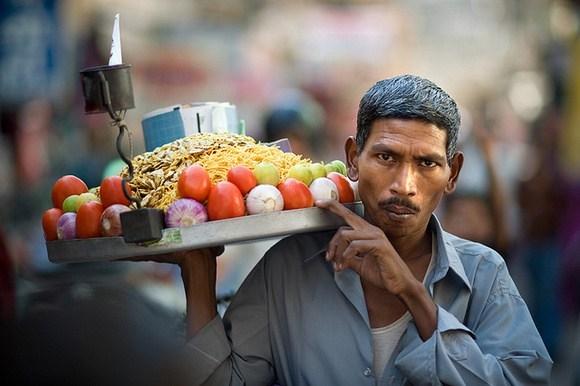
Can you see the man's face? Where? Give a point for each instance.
(402, 174)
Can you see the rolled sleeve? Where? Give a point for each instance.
(446, 321)
(452, 356)
(206, 351)
(234, 350)
(418, 361)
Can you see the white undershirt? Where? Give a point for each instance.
(385, 338)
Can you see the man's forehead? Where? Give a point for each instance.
(413, 129)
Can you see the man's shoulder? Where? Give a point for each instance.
(473, 253)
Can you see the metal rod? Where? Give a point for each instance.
(122, 129)
(118, 121)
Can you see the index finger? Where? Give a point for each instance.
(351, 218)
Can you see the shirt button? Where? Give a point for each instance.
(367, 372)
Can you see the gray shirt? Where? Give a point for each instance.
(294, 321)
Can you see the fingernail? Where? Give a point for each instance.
(327, 256)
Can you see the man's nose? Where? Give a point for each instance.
(404, 182)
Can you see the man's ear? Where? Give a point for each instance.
(351, 152)
(456, 165)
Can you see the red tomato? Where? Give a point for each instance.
(345, 192)
(49, 220)
(243, 178)
(111, 191)
(296, 194)
(66, 186)
(88, 222)
(194, 182)
(225, 201)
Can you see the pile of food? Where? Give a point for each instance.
(156, 173)
(203, 177)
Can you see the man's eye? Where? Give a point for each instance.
(428, 163)
(385, 157)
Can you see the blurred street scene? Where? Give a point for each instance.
(296, 70)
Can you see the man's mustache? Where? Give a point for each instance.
(399, 201)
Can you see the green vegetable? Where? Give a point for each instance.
(71, 203)
(267, 173)
(302, 173)
(340, 166)
(317, 170)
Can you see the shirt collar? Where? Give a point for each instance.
(447, 259)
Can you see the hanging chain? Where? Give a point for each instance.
(118, 120)
(123, 129)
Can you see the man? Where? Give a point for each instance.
(388, 299)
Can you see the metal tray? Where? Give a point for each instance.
(211, 233)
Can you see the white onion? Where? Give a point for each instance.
(264, 199)
(322, 188)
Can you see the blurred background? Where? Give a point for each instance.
(294, 69)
